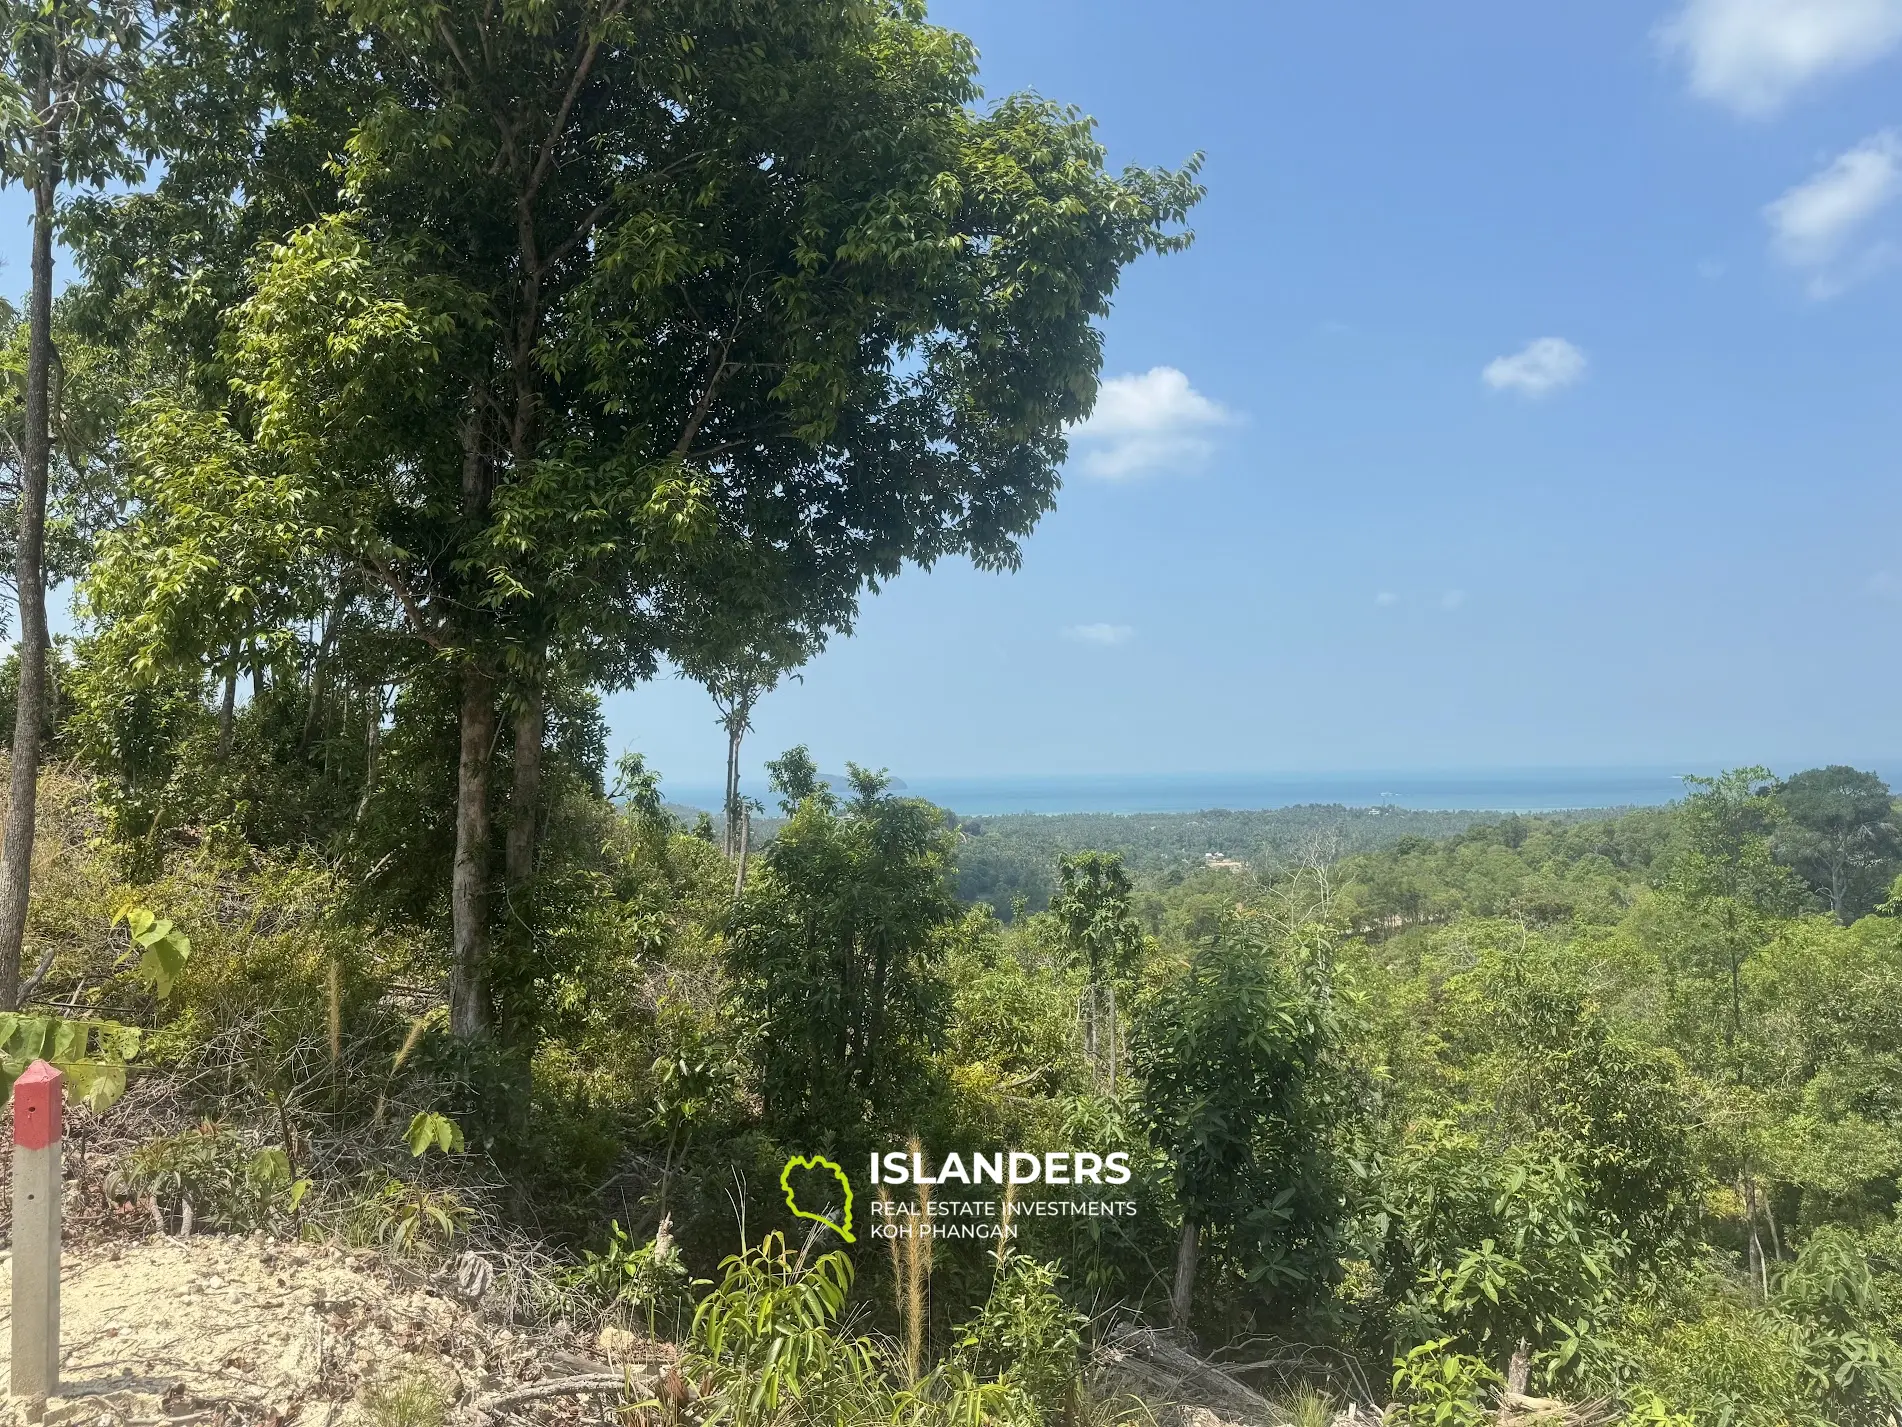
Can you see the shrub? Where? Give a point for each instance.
(214, 1180)
(1026, 1335)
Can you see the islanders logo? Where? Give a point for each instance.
(815, 1161)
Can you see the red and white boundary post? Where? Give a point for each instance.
(38, 1099)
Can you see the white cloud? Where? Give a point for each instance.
(1541, 366)
(1146, 423)
(1752, 55)
(1104, 634)
(1386, 599)
(1452, 599)
(1818, 225)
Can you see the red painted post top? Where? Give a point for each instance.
(39, 1095)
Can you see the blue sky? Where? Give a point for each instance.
(1531, 396)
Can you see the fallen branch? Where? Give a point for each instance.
(593, 1384)
(1164, 1366)
(1518, 1410)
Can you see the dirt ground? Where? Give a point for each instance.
(219, 1330)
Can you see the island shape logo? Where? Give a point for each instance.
(815, 1161)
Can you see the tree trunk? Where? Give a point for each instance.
(16, 842)
(735, 731)
(1184, 1295)
(228, 711)
(469, 886)
(1518, 1372)
(525, 795)
(372, 738)
(739, 877)
(469, 1011)
(321, 667)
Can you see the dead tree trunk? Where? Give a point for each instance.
(1188, 1249)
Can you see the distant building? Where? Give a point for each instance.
(1222, 860)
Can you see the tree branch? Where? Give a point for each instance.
(32, 983)
(388, 578)
(584, 64)
(719, 367)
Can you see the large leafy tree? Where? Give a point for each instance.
(1839, 831)
(609, 304)
(67, 116)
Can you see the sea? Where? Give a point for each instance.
(1528, 790)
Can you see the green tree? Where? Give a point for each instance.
(67, 116)
(832, 953)
(1092, 906)
(611, 305)
(736, 673)
(1727, 877)
(1234, 1062)
(1839, 831)
(1726, 870)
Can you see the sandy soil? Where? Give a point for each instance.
(226, 1330)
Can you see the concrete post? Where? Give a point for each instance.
(38, 1099)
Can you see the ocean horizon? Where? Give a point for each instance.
(1530, 790)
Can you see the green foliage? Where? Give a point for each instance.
(1487, 1252)
(1002, 857)
(1238, 1091)
(767, 1340)
(1439, 1387)
(833, 951)
(651, 1280)
(412, 1397)
(1027, 1336)
(1092, 906)
(1853, 1364)
(225, 1184)
(430, 1130)
(1310, 1408)
(1425, 1140)
(766, 1337)
(91, 1054)
(408, 1218)
(163, 949)
(1839, 831)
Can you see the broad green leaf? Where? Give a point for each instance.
(429, 1128)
